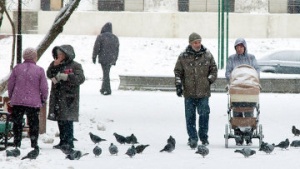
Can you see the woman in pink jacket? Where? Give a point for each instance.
(27, 90)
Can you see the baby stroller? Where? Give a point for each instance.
(243, 97)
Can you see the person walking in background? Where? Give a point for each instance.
(66, 76)
(106, 48)
(195, 71)
(28, 91)
(239, 58)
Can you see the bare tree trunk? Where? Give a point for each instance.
(2, 7)
(54, 31)
(3, 82)
(57, 26)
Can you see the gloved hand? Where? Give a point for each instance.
(94, 60)
(61, 76)
(179, 90)
(210, 79)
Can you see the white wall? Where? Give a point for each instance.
(172, 24)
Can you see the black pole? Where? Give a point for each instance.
(19, 34)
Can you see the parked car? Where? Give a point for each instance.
(284, 61)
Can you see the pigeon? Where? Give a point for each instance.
(13, 153)
(120, 139)
(171, 140)
(96, 139)
(295, 131)
(283, 144)
(33, 154)
(295, 143)
(97, 151)
(66, 149)
(247, 152)
(131, 151)
(266, 147)
(202, 150)
(168, 148)
(113, 149)
(140, 148)
(193, 144)
(75, 155)
(131, 139)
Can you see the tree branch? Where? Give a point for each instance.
(57, 26)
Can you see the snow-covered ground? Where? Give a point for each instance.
(154, 116)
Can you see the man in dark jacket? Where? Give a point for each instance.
(66, 76)
(106, 47)
(195, 71)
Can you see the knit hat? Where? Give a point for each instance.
(29, 54)
(194, 36)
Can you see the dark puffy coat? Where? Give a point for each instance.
(195, 71)
(106, 46)
(64, 95)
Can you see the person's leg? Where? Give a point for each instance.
(69, 133)
(62, 133)
(105, 89)
(190, 117)
(239, 139)
(248, 134)
(17, 117)
(33, 120)
(203, 111)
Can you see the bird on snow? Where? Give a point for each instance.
(113, 149)
(131, 139)
(295, 131)
(171, 140)
(140, 148)
(13, 153)
(246, 152)
(131, 151)
(120, 139)
(168, 148)
(295, 143)
(193, 144)
(75, 155)
(97, 151)
(33, 154)
(66, 149)
(283, 144)
(202, 150)
(96, 139)
(266, 147)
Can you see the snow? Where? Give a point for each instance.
(154, 116)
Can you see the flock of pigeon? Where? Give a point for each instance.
(169, 147)
(268, 148)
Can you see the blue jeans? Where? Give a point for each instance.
(202, 106)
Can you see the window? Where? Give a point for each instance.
(294, 6)
(111, 5)
(183, 5)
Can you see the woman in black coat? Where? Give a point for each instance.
(66, 76)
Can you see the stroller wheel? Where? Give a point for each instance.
(226, 136)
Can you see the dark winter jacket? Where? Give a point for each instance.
(106, 46)
(27, 85)
(195, 71)
(64, 95)
(236, 60)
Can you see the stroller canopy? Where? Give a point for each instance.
(244, 76)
